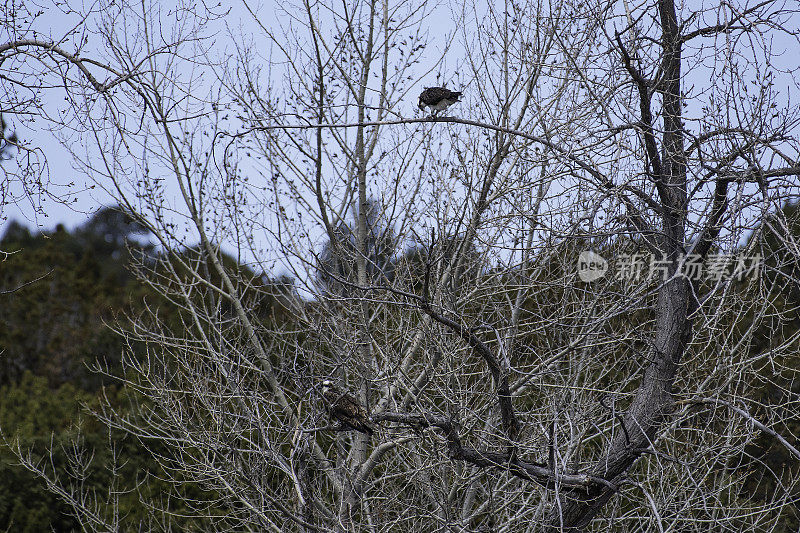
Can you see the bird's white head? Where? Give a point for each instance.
(326, 385)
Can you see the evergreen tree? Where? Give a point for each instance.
(337, 262)
(8, 140)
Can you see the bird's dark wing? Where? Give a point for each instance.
(347, 410)
(434, 95)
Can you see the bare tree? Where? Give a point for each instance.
(510, 394)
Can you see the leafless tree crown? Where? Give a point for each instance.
(434, 260)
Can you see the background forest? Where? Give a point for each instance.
(65, 292)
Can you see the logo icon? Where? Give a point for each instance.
(591, 266)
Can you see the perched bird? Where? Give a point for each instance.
(438, 98)
(345, 409)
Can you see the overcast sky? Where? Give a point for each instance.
(72, 186)
(75, 198)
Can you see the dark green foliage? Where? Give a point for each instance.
(411, 267)
(61, 288)
(48, 423)
(58, 291)
(34, 411)
(775, 386)
(8, 140)
(781, 267)
(338, 259)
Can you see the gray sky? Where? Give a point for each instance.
(72, 195)
(74, 199)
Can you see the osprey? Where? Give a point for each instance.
(345, 409)
(438, 98)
